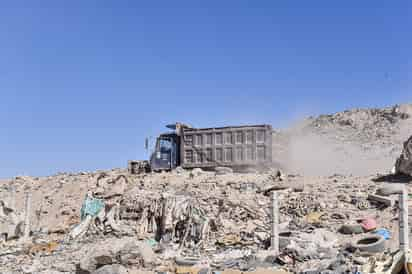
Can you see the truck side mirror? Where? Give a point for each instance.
(146, 143)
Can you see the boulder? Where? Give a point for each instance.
(403, 164)
(111, 269)
(350, 229)
(140, 253)
(125, 251)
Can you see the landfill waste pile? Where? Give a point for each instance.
(200, 222)
(196, 222)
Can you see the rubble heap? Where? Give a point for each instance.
(169, 222)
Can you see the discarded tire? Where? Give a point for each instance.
(370, 244)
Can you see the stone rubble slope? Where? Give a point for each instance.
(359, 142)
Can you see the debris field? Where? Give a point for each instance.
(196, 221)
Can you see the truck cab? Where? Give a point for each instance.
(166, 154)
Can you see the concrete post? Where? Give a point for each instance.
(27, 216)
(403, 221)
(275, 224)
(13, 197)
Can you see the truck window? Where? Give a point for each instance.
(165, 145)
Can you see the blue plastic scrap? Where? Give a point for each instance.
(386, 234)
(91, 206)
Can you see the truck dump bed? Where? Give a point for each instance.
(236, 147)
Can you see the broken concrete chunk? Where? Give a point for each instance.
(223, 170)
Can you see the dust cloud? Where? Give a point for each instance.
(357, 142)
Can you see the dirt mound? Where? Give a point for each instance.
(363, 125)
(359, 141)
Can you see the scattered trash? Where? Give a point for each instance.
(369, 224)
(314, 217)
(170, 222)
(384, 233)
(91, 207)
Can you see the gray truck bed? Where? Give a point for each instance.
(235, 147)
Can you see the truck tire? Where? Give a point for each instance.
(370, 244)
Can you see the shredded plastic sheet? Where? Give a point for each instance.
(386, 234)
(91, 206)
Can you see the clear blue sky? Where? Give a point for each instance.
(83, 82)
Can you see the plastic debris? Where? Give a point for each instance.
(369, 224)
(384, 233)
(91, 206)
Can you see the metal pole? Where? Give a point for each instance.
(403, 221)
(275, 224)
(27, 216)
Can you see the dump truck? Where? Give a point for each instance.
(236, 147)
